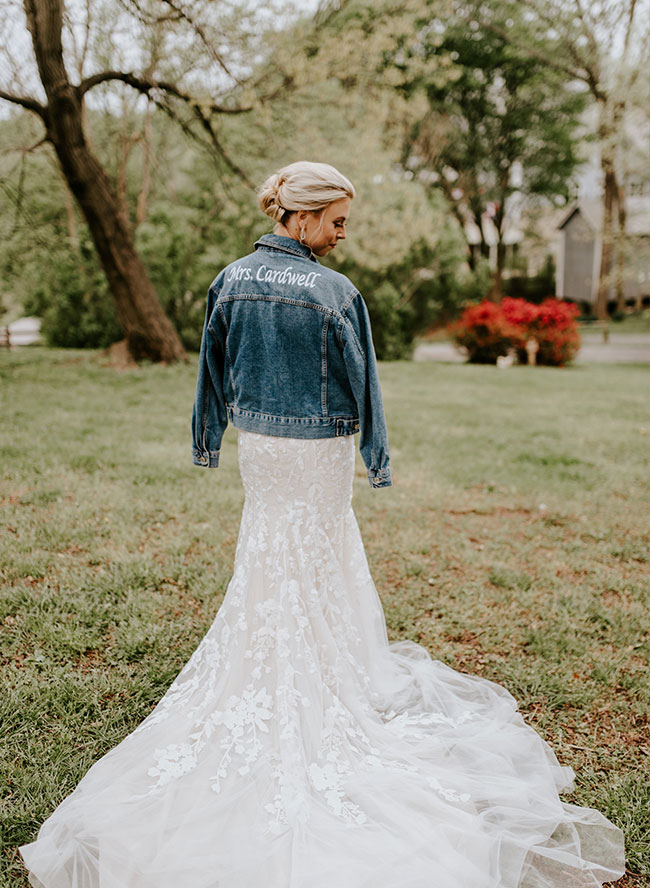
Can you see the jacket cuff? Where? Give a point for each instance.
(380, 477)
(206, 458)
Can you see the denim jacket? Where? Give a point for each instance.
(287, 351)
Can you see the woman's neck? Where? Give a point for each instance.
(283, 232)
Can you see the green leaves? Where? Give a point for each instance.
(506, 123)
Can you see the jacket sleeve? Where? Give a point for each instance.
(209, 416)
(361, 365)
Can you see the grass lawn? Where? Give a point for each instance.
(514, 545)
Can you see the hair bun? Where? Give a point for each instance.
(304, 185)
(268, 197)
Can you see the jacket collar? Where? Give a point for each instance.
(286, 245)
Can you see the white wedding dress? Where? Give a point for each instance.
(298, 749)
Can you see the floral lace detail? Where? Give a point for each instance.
(244, 719)
(171, 762)
(298, 747)
(288, 633)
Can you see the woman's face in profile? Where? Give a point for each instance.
(324, 230)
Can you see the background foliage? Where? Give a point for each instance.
(435, 117)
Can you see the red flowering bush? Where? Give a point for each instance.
(519, 312)
(489, 330)
(556, 331)
(485, 332)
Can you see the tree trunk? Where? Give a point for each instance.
(456, 210)
(145, 184)
(621, 250)
(484, 245)
(497, 276)
(498, 220)
(73, 235)
(611, 121)
(605, 274)
(148, 331)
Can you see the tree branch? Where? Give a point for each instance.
(36, 145)
(587, 29)
(143, 16)
(147, 84)
(585, 75)
(26, 102)
(327, 11)
(628, 29)
(206, 124)
(200, 111)
(207, 43)
(588, 72)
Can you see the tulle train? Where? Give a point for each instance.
(298, 749)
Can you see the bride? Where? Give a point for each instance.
(297, 748)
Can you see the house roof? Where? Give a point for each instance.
(636, 223)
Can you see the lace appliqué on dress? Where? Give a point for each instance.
(297, 747)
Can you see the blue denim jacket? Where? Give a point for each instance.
(287, 351)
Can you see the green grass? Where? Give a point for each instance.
(514, 545)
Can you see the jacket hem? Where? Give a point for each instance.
(293, 426)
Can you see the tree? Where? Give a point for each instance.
(168, 78)
(48, 264)
(503, 125)
(604, 45)
(196, 223)
(401, 250)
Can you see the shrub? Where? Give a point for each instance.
(174, 254)
(484, 331)
(556, 331)
(488, 330)
(74, 303)
(421, 291)
(532, 289)
(390, 333)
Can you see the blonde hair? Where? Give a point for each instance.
(303, 185)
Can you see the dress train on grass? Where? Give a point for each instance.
(299, 749)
